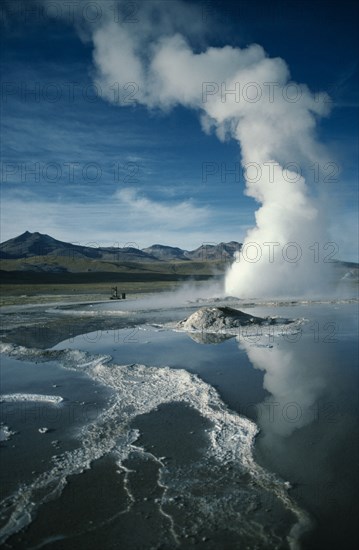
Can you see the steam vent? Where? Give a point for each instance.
(213, 319)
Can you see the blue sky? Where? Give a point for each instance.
(84, 169)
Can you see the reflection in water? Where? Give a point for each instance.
(308, 430)
(294, 379)
(308, 421)
(209, 337)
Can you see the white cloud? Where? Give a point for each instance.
(171, 215)
(128, 216)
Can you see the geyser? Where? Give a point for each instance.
(242, 94)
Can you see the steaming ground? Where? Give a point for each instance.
(98, 410)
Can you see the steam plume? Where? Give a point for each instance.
(241, 94)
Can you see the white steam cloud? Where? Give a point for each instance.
(241, 94)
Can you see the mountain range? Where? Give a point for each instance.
(40, 252)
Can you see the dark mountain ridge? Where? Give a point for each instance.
(28, 245)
